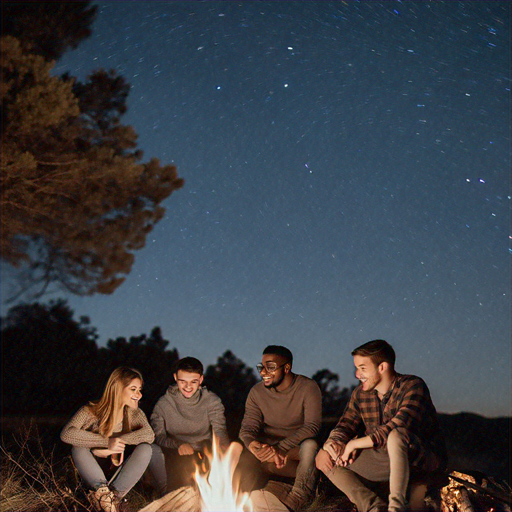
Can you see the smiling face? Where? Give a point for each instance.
(275, 369)
(368, 373)
(188, 383)
(132, 393)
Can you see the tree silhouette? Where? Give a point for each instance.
(51, 363)
(48, 29)
(76, 200)
(49, 360)
(334, 400)
(150, 356)
(231, 379)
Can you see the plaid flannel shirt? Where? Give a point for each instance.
(407, 406)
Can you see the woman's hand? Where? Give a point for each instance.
(102, 453)
(116, 445)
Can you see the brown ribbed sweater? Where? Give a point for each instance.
(82, 429)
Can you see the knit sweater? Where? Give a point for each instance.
(83, 429)
(177, 420)
(284, 418)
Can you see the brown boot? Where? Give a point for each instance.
(93, 497)
(103, 499)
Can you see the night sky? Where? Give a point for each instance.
(347, 170)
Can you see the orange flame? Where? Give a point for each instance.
(216, 486)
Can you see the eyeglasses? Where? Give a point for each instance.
(269, 368)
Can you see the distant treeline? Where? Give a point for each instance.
(51, 365)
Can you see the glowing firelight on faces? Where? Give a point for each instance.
(216, 487)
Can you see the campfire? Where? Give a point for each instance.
(214, 490)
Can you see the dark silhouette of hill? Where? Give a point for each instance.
(475, 442)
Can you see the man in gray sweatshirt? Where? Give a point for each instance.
(184, 420)
(282, 419)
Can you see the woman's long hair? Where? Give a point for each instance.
(105, 408)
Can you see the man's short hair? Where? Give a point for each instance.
(279, 350)
(190, 364)
(379, 351)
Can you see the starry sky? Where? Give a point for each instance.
(347, 168)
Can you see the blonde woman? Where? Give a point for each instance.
(101, 432)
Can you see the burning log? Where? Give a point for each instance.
(464, 494)
(488, 486)
(455, 498)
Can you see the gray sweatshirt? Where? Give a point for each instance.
(177, 420)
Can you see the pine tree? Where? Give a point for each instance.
(75, 199)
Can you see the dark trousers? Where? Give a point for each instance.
(170, 470)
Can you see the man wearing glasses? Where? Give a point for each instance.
(282, 419)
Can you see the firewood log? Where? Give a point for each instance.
(185, 499)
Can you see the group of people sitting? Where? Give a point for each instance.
(388, 432)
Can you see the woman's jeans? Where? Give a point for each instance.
(130, 473)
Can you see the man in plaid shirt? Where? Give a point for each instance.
(401, 432)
